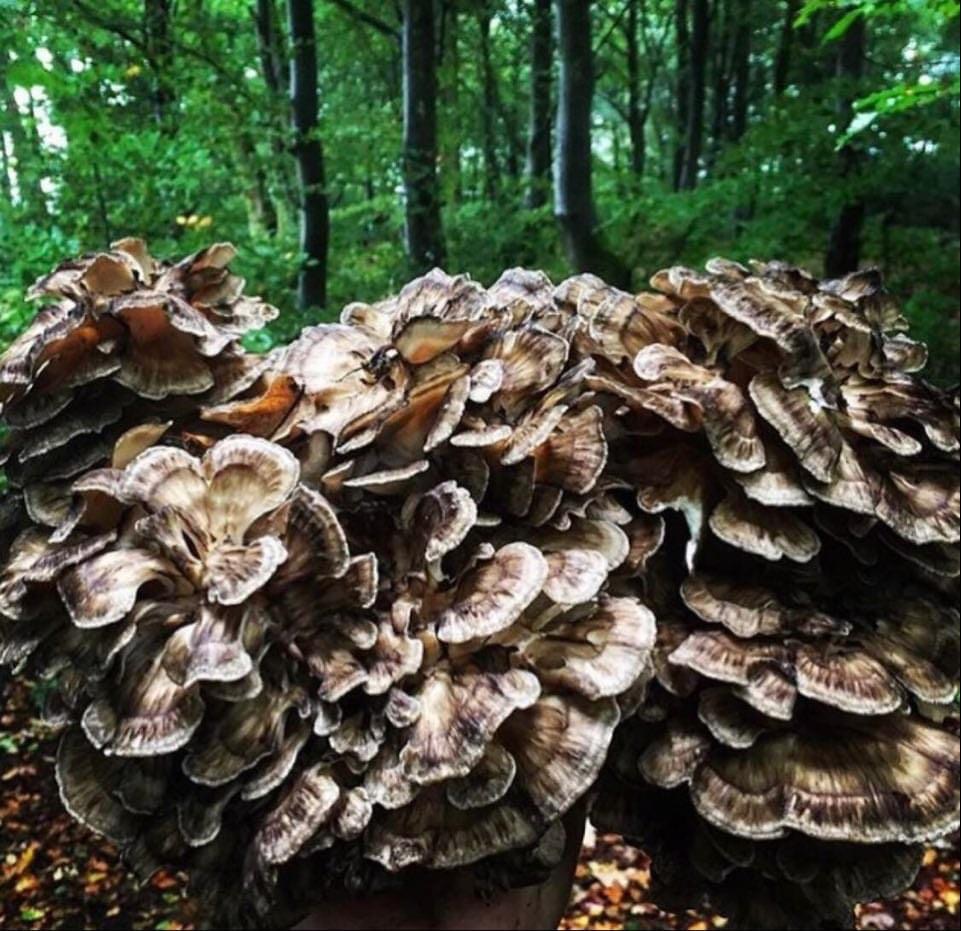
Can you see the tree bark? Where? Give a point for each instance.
(722, 59)
(782, 60)
(741, 68)
(307, 149)
(270, 47)
(573, 188)
(681, 87)
(697, 58)
(636, 113)
(158, 29)
(489, 106)
(539, 130)
(422, 232)
(844, 241)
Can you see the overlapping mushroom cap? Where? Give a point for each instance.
(124, 342)
(393, 599)
(811, 626)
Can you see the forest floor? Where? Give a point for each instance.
(56, 874)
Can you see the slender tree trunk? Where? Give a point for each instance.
(450, 144)
(539, 131)
(722, 58)
(782, 60)
(696, 93)
(5, 170)
(573, 189)
(741, 68)
(270, 47)
(307, 149)
(636, 113)
(278, 173)
(844, 242)
(681, 87)
(489, 106)
(158, 29)
(423, 227)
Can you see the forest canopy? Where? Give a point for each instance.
(344, 145)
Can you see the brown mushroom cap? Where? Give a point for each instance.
(492, 596)
(560, 743)
(767, 532)
(892, 779)
(598, 656)
(459, 714)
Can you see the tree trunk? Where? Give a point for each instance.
(489, 106)
(695, 108)
(422, 228)
(279, 175)
(451, 179)
(681, 88)
(539, 131)
(5, 170)
(307, 149)
(741, 68)
(270, 47)
(636, 113)
(782, 60)
(158, 28)
(723, 56)
(844, 242)
(573, 190)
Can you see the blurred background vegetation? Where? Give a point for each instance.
(343, 145)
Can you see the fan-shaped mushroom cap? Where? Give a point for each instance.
(807, 427)
(247, 477)
(891, 779)
(573, 457)
(393, 655)
(922, 503)
(731, 721)
(560, 743)
(780, 317)
(486, 783)
(150, 715)
(598, 656)
(104, 589)
(575, 575)
(778, 484)
(768, 532)
(728, 419)
(532, 360)
(749, 610)
(492, 597)
(442, 518)
(459, 714)
(433, 833)
(234, 743)
(211, 648)
(601, 536)
(672, 758)
(88, 782)
(300, 813)
(323, 355)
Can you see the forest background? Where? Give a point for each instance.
(345, 145)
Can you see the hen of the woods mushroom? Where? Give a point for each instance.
(402, 593)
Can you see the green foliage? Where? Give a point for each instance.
(215, 164)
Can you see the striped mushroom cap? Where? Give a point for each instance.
(426, 577)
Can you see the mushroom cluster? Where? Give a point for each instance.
(788, 759)
(401, 594)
